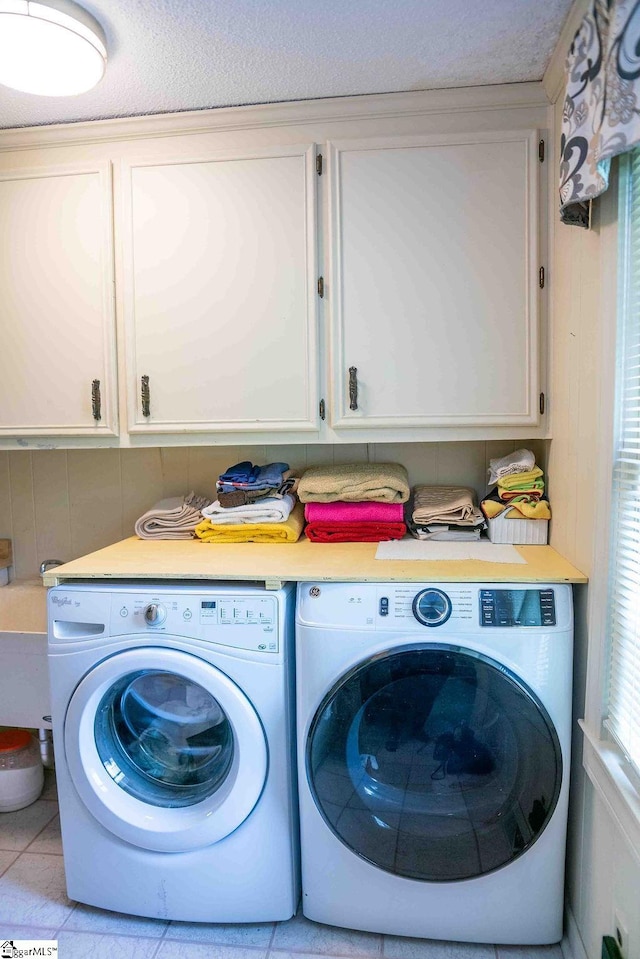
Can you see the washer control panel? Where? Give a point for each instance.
(241, 621)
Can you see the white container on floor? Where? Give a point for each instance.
(21, 772)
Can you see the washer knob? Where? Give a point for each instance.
(155, 614)
(432, 607)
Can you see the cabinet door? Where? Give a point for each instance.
(220, 301)
(434, 281)
(57, 328)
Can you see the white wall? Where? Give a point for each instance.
(602, 871)
(61, 504)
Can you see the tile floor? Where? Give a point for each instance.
(34, 905)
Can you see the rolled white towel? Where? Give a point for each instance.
(270, 509)
(521, 461)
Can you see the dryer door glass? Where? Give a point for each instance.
(434, 763)
(163, 738)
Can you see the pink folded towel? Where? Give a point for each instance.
(340, 512)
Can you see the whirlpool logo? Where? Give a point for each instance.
(57, 601)
(314, 592)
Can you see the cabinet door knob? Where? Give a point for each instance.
(353, 387)
(96, 401)
(145, 396)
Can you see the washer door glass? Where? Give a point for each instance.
(164, 749)
(163, 738)
(434, 763)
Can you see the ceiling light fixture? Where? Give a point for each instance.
(55, 48)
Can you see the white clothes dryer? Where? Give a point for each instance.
(433, 757)
(173, 725)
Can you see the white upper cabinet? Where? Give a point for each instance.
(433, 281)
(57, 330)
(220, 274)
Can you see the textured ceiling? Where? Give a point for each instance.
(171, 55)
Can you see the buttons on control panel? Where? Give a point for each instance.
(239, 621)
(548, 607)
(384, 606)
(517, 607)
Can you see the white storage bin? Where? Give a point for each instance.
(21, 772)
(520, 532)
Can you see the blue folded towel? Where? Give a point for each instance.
(245, 476)
(240, 473)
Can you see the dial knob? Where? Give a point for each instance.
(431, 607)
(155, 614)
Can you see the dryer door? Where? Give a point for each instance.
(164, 749)
(434, 762)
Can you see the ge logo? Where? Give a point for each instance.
(314, 591)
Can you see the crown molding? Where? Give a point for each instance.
(413, 103)
(553, 80)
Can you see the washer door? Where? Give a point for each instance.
(434, 763)
(164, 749)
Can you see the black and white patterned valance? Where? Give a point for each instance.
(601, 116)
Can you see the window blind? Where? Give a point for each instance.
(623, 699)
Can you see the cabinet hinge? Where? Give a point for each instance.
(321, 286)
(322, 409)
(541, 151)
(319, 164)
(541, 278)
(541, 404)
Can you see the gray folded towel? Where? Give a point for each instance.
(454, 505)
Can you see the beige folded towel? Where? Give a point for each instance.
(173, 518)
(445, 504)
(355, 483)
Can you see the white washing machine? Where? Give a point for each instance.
(173, 723)
(433, 757)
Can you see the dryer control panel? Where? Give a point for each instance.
(517, 607)
(434, 609)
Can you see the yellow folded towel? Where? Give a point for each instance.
(287, 532)
(522, 481)
(355, 483)
(539, 510)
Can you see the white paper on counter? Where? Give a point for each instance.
(484, 551)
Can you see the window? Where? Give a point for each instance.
(623, 700)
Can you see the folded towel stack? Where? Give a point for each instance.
(519, 462)
(520, 489)
(444, 513)
(172, 518)
(268, 532)
(245, 483)
(354, 503)
(255, 504)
